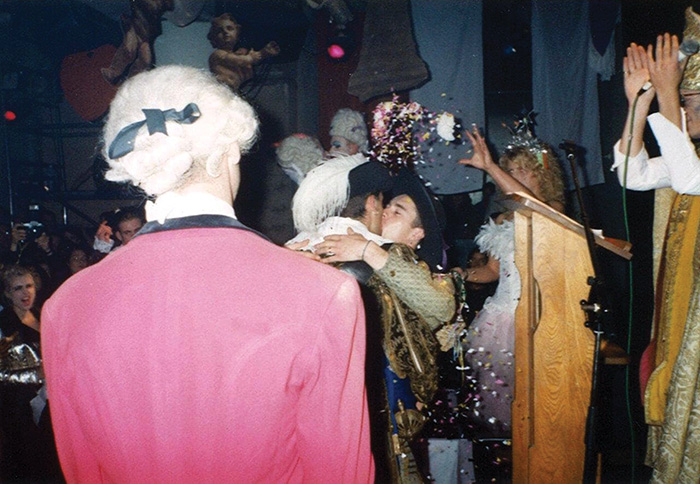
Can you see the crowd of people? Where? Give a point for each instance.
(179, 345)
(37, 257)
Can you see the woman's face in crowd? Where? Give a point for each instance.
(524, 176)
(340, 145)
(22, 292)
(77, 261)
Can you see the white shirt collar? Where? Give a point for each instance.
(176, 205)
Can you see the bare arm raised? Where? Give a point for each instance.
(636, 76)
(483, 161)
(666, 73)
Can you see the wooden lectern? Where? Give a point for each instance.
(553, 348)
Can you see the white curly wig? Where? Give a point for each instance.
(299, 153)
(350, 124)
(160, 162)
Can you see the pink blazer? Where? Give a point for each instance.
(208, 355)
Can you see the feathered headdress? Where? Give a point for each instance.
(323, 192)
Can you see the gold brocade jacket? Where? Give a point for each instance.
(414, 304)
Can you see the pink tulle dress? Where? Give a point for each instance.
(489, 342)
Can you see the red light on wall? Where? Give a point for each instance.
(9, 115)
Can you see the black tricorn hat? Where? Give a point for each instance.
(431, 213)
(369, 177)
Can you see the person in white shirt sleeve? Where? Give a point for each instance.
(670, 365)
(674, 126)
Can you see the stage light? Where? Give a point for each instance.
(9, 115)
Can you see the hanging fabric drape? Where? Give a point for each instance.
(456, 85)
(564, 86)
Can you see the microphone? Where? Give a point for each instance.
(687, 48)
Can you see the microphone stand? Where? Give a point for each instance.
(596, 308)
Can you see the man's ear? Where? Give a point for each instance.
(417, 234)
(233, 154)
(371, 203)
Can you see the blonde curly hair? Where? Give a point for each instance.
(159, 162)
(547, 172)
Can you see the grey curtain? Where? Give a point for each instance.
(448, 35)
(564, 85)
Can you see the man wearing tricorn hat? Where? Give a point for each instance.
(670, 366)
(413, 305)
(345, 192)
(342, 200)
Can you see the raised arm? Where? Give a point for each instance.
(636, 76)
(666, 73)
(483, 161)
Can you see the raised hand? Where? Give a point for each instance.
(104, 232)
(664, 69)
(636, 73)
(482, 156)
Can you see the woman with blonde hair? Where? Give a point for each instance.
(27, 451)
(531, 168)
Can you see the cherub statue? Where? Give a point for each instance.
(135, 54)
(233, 67)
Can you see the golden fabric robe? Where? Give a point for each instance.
(677, 274)
(672, 395)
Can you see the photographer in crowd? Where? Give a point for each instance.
(30, 243)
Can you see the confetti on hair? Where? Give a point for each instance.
(523, 135)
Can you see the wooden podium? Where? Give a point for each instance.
(553, 348)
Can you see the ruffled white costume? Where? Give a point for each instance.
(490, 339)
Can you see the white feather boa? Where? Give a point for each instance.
(497, 240)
